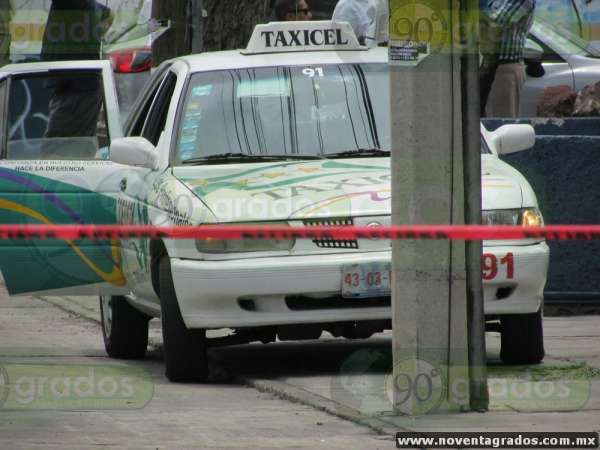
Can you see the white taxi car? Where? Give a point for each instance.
(293, 131)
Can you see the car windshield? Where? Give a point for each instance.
(562, 40)
(338, 110)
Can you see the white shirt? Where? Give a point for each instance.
(369, 19)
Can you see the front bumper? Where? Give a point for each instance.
(256, 292)
(523, 293)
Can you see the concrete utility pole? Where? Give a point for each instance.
(469, 11)
(431, 133)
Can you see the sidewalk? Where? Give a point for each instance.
(562, 394)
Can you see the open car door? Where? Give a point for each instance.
(56, 123)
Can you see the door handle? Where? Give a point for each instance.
(123, 184)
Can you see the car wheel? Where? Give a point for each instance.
(522, 338)
(124, 328)
(185, 350)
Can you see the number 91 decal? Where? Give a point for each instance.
(492, 266)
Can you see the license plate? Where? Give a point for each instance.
(366, 280)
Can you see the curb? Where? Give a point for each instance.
(67, 305)
(301, 396)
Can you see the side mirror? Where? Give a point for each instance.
(134, 151)
(534, 56)
(513, 138)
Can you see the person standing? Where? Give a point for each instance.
(74, 31)
(368, 18)
(5, 36)
(292, 10)
(504, 28)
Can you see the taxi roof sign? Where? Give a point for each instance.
(283, 37)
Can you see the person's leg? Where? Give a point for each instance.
(505, 95)
(5, 36)
(73, 121)
(4, 49)
(60, 115)
(489, 49)
(88, 109)
(73, 114)
(487, 73)
(521, 74)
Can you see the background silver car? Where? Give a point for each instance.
(566, 59)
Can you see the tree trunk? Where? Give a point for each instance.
(228, 25)
(176, 41)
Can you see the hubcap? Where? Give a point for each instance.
(106, 314)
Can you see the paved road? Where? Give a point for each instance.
(224, 414)
(42, 345)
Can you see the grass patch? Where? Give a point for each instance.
(577, 371)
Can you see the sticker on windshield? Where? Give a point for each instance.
(268, 87)
(334, 111)
(187, 150)
(408, 52)
(311, 73)
(418, 29)
(202, 91)
(187, 138)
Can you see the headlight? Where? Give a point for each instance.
(245, 245)
(501, 217)
(528, 217)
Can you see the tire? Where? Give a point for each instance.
(185, 350)
(522, 339)
(124, 328)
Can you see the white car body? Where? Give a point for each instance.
(141, 185)
(317, 273)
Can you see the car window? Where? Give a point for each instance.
(136, 120)
(57, 115)
(138, 124)
(548, 55)
(561, 40)
(157, 117)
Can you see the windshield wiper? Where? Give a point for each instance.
(244, 157)
(219, 157)
(296, 156)
(359, 153)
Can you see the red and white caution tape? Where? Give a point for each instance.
(220, 232)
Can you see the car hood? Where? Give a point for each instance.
(501, 184)
(323, 188)
(292, 190)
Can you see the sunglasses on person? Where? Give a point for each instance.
(303, 11)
